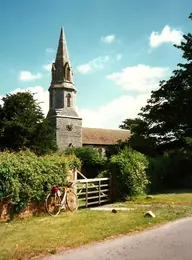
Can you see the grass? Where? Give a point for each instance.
(24, 238)
(179, 198)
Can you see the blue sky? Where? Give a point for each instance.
(119, 50)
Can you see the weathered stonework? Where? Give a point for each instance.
(62, 95)
(69, 132)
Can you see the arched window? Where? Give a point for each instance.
(68, 75)
(68, 100)
(50, 99)
(67, 72)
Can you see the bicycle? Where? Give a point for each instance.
(57, 200)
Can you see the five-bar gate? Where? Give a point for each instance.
(92, 191)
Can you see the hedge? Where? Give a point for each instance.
(92, 161)
(128, 169)
(26, 177)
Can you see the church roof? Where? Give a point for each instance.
(99, 136)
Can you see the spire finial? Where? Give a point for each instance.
(62, 53)
(61, 33)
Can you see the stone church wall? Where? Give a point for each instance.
(69, 132)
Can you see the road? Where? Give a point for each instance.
(172, 241)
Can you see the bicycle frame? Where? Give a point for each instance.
(64, 198)
(63, 201)
(65, 194)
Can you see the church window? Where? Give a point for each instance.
(51, 100)
(68, 74)
(68, 100)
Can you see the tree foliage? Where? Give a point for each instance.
(22, 124)
(168, 111)
(24, 176)
(170, 171)
(92, 161)
(128, 169)
(139, 140)
(165, 123)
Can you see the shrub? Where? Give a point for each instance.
(92, 161)
(171, 171)
(24, 177)
(128, 169)
(104, 174)
(158, 170)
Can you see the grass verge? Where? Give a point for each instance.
(29, 237)
(178, 198)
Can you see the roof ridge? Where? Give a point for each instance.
(111, 129)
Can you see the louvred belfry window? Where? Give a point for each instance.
(68, 100)
(68, 74)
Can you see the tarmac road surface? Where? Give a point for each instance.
(172, 241)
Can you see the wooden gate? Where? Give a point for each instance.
(92, 191)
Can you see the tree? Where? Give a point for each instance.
(166, 119)
(23, 124)
(136, 125)
(44, 140)
(139, 140)
(168, 111)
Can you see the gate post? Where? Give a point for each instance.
(75, 180)
(72, 177)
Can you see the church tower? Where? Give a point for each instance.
(62, 93)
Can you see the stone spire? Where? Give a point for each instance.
(62, 56)
(62, 97)
(61, 70)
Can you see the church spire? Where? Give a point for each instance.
(62, 96)
(62, 56)
(61, 70)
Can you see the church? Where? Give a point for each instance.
(62, 112)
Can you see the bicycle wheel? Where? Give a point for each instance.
(72, 201)
(53, 204)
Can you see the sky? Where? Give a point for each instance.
(119, 51)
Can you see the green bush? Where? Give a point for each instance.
(128, 169)
(92, 161)
(25, 177)
(158, 171)
(104, 174)
(171, 171)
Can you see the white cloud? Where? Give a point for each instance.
(167, 35)
(95, 64)
(1, 102)
(40, 95)
(113, 113)
(84, 68)
(28, 76)
(49, 50)
(140, 78)
(108, 39)
(109, 115)
(119, 56)
(47, 67)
